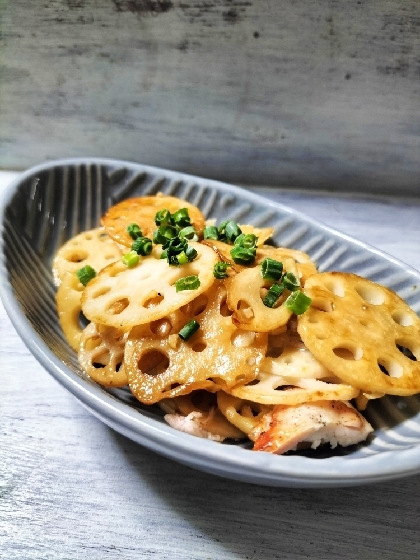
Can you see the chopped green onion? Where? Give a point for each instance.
(211, 232)
(164, 234)
(246, 240)
(298, 302)
(134, 231)
(191, 253)
(181, 258)
(181, 218)
(163, 217)
(188, 330)
(222, 230)
(290, 281)
(130, 259)
(232, 231)
(273, 295)
(188, 233)
(142, 246)
(220, 270)
(164, 254)
(86, 274)
(240, 255)
(175, 245)
(187, 283)
(271, 269)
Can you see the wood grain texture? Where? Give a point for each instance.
(71, 488)
(308, 94)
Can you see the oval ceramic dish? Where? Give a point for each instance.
(49, 204)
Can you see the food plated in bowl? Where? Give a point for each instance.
(94, 186)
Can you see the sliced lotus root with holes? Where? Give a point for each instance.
(124, 297)
(142, 211)
(101, 354)
(363, 332)
(94, 248)
(243, 414)
(288, 356)
(217, 356)
(269, 388)
(245, 299)
(305, 266)
(198, 413)
(68, 300)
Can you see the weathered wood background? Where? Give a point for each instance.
(308, 94)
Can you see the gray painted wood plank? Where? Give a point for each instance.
(308, 94)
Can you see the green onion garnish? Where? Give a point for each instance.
(164, 234)
(187, 283)
(290, 281)
(271, 269)
(181, 258)
(130, 259)
(220, 270)
(188, 233)
(246, 240)
(86, 274)
(241, 255)
(181, 218)
(191, 253)
(222, 230)
(211, 232)
(188, 330)
(134, 231)
(163, 217)
(298, 302)
(232, 231)
(142, 246)
(273, 295)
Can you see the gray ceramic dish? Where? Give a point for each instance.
(52, 202)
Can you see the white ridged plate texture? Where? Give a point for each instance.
(50, 203)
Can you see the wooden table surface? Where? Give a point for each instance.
(71, 488)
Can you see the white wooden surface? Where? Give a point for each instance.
(316, 94)
(72, 489)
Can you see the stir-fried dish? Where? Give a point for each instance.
(232, 337)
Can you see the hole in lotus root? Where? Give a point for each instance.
(196, 306)
(198, 346)
(92, 343)
(154, 299)
(245, 311)
(401, 318)
(161, 327)
(335, 287)
(390, 367)
(77, 256)
(242, 339)
(371, 294)
(224, 309)
(118, 306)
(403, 347)
(153, 363)
(322, 304)
(348, 352)
(101, 292)
(98, 365)
(284, 387)
(253, 382)
(320, 335)
(118, 366)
